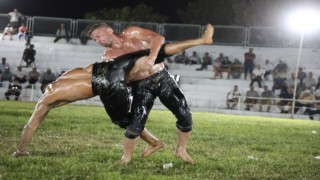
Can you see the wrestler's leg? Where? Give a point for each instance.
(177, 47)
(58, 93)
(78, 73)
(153, 143)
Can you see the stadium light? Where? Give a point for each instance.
(302, 20)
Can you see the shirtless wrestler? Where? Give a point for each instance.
(155, 79)
(80, 80)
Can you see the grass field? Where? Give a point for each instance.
(80, 142)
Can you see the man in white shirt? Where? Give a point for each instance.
(257, 75)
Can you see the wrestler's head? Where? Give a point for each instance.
(102, 34)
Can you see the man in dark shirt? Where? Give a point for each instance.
(249, 58)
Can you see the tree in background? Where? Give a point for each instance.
(140, 13)
(217, 12)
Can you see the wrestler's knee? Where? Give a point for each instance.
(133, 132)
(184, 123)
(184, 117)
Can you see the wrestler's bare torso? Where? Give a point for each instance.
(130, 40)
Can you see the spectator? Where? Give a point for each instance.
(280, 67)
(20, 75)
(314, 110)
(8, 31)
(251, 98)
(249, 58)
(3, 64)
(15, 18)
(216, 68)
(22, 31)
(182, 58)
(62, 32)
(267, 98)
(309, 82)
(278, 80)
(305, 99)
(6, 75)
(83, 36)
(316, 105)
(257, 75)
(268, 67)
(290, 81)
(33, 77)
(301, 75)
(285, 101)
(47, 77)
(205, 61)
(194, 59)
(28, 55)
(13, 89)
(236, 69)
(226, 66)
(233, 97)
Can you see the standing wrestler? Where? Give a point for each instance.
(158, 83)
(87, 83)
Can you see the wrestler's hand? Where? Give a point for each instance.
(18, 153)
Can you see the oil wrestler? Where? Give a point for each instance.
(87, 83)
(157, 83)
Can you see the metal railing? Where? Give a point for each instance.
(224, 35)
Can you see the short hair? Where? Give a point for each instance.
(96, 26)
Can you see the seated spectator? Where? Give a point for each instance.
(206, 59)
(28, 55)
(13, 89)
(8, 31)
(267, 98)
(268, 67)
(194, 59)
(314, 110)
(236, 69)
(280, 67)
(278, 80)
(62, 32)
(233, 97)
(33, 77)
(290, 81)
(83, 36)
(309, 82)
(6, 75)
(216, 68)
(4, 64)
(47, 77)
(251, 98)
(182, 58)
(316, 105)
(20, 75)
(301, 75)
(257, 75)
(226, 66)
(305, 99)
(285, 100)
(22, 31)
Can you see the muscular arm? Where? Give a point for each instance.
(148, 38)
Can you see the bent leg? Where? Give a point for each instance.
(153, 143)
(58, 93)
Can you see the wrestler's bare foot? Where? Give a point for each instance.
(151, 149)
(184, 156)
(207, 35)
(123, 160)
(18, 153)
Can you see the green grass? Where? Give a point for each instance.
(80, 142)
